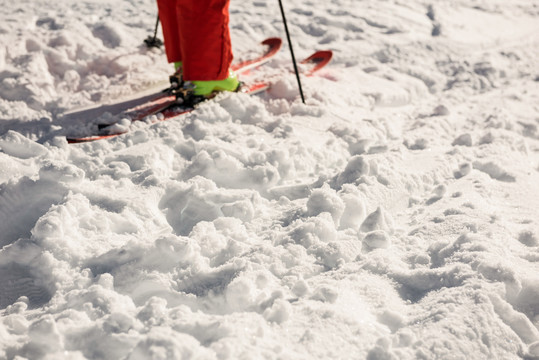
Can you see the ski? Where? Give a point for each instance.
(166, 107)
(273, 45)
(311, 65)
(270, 46)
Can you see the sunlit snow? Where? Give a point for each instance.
(395, 215)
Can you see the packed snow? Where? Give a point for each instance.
(394, 215)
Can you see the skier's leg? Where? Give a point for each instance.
(171, 31)
(205, 39)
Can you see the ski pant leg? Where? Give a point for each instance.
(204, 38)
(171, 31)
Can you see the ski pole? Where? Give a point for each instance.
(291, 51)
(154, 41)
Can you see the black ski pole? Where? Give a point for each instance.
(292, 51)
(154, 41)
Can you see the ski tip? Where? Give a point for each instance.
(273, 45)
(273, 42)
(319, 57)
(318, 60)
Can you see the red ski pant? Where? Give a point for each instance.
(196, 32)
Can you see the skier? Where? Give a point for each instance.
(197, 41)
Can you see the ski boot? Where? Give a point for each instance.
(193, 92)
(176, 79)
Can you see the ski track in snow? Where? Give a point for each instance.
(393, 216)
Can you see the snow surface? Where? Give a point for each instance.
(394, 216)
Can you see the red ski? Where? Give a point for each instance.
(312, 64)
(166, 108)
(127, 106)
(273, 45)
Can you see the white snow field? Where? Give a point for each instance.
(395, 215)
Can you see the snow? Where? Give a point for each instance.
(392, 216)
